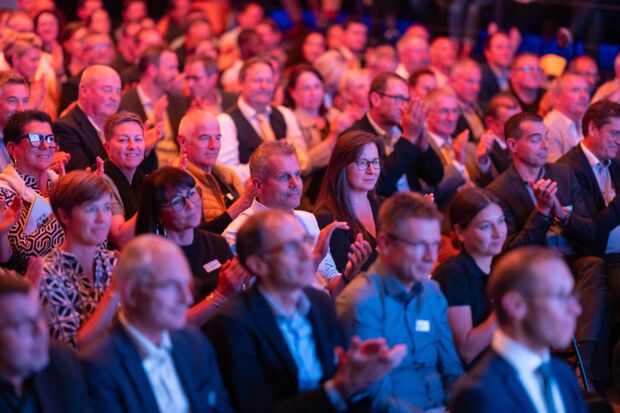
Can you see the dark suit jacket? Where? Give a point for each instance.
(117, 381)
(500, 158)
(493, 386)
(59, 387)
(177, 106)
(69, 91)
(407, 159)
(489, 86)
(605, 218)
(258, 369)
(526, 226)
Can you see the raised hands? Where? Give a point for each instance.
(483, 149)
(245, 200)
(321, 247)
(544, 192)
(459, 145)
(232, 278)
(360, 252)
(412, 123)
(9, 215)
(99, 163)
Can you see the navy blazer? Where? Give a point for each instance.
(407, 159)
(606, 218)
(489, 86)
(117, 381)
(59, 387)
(257, 366)
(493, 386)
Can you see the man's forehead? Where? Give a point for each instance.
(13, 89)
(15, 305)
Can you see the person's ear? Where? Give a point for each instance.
(10, 147)
(374, 99)
(62, 216)
(513, 303)
(459, 233)
(256, 265)
(512, 144)
(181, 142)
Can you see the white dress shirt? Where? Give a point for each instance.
(229, 151)
(327, 268)
(160, 370)
(526, 362)
(564, 134)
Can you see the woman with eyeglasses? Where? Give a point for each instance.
(31, 145)
(348, 194)
(77, 275)
(170, 206)
(479, 231)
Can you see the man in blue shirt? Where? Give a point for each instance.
(396, 299)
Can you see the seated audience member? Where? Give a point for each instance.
(143, 39)
(124, 144)
(223, 195)
(526, 81)
(170, 207)
(442, 54)
(201, 75)
(31, 144)
(396, 300)
(381, 58)
(570, 102)
(148, 360)
(421, 82)
(254, 120)
(479, 230)
(276, 176)
(271, 39)
(348, 194)
(492, 145)
(610, 89)
(71, 39)
(537, 309)
(312, 46)
(399, 121)
(543, 205)
(498, 53)
(23, 55)
(594, 162)
(319, 127)
(154, 98)
(413, 54)
(249, 46)
(465, 78)
(347, 55)
(36, 376)
(77, 274)
(293, 328)
(13, 98)
(353, 89)
(586, 67)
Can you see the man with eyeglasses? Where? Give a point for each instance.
(543, 205)
(526, 80)
(149, 360)
(395, 299)
(278, 344)
(536, 309)
(35, 376)
(397, 119)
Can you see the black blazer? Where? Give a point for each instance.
(606, 218)
(493, 386)
(59, 387)
(407, 159)
(117, 381)
(489, 86)
(528, 227)
(257, 367)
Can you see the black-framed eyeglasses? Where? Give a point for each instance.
(364, 164)
(562, 297)
(37, 139)
(293, 247)
(396, 98)
(177, 203)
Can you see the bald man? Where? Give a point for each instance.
(81, 129)
(223, 195)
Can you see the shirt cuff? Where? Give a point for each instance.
(459, 167)
(334, 396)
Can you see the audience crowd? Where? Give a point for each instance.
(204, 217)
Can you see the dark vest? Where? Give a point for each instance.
(247, 136)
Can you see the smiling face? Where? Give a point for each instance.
(88, 224)
(485, 234)
(307, 92)
(258, 86)
(313, 47)
(466, 83)
(31, 160)
(14, 98)
(102, 95)
(604, 142)
(126, 146)
(443, 115)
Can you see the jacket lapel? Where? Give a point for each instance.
(513, 386)
(585, 168)
(325, 351)
(520, 189)
(44, 389)
(89, 134)
(182, 364)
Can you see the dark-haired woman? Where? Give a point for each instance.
(170, 205)
(479, 230)
(348, 194)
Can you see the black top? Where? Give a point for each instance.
(464, 283)
(206, 250)
(340, 243)
(129, 193)
(14, 403)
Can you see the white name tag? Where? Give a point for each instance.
(230, 196)
(212, 266)
(423, 326)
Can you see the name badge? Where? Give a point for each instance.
(212, 265)
(212, 398)
(230, 196)
(423, 326)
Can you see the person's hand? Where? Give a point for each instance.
(160, 108)
(321, 247)
(459, 145)
(152, 134)
(232, 278)
(244, 201)
(544, 192)
(364, 363)
(57, 58)
(99, 163)
(430, 197)
(558, 210)
(483, 149)
(412, 122)
(341, 122)
(181, 162)
(34, 271)
(360, 252)
(59, 162)
(37, 93)
(9, 215)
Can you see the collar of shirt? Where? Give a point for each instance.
(524, 360)
(345, 52)
(380, 131)
(248, 111)
(392, 285)
(303, 305)
(92, 122)
(145, 346)
(592, 159)
(257, 207)
(439, 140)
(502, 143)
(568, 124)
(146, 101)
